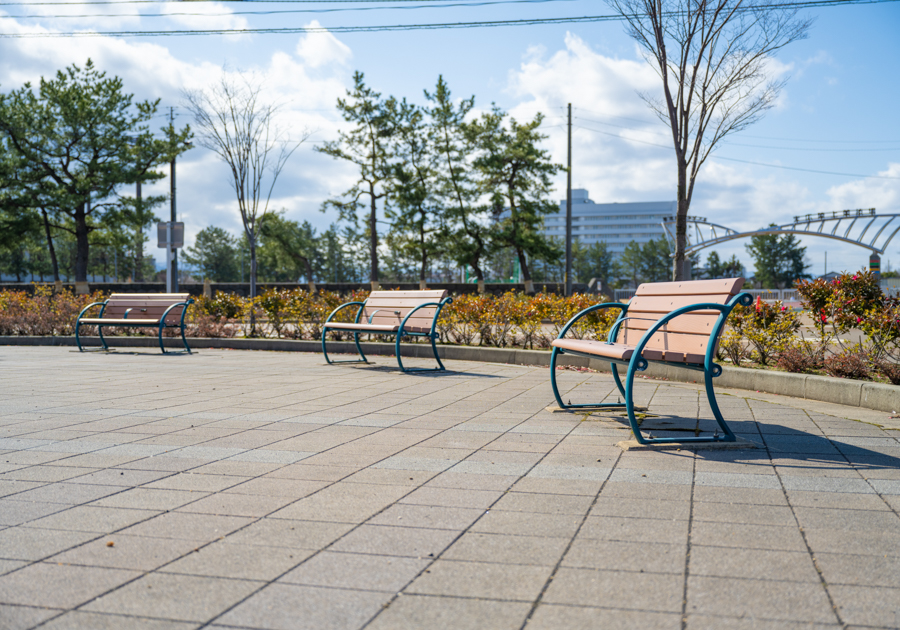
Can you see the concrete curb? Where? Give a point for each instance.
(877, 396)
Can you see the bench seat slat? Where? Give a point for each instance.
(93, 321)
(729, 286)
(420, 296)
(376, 327)
(695, 324)
(665, 304)
(624, 352)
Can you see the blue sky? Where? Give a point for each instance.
(838, 112)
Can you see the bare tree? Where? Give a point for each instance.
(713, 58)
(234, 121)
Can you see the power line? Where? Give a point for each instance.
(398, 27)
(719, 157)
(278, 11)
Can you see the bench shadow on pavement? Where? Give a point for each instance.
(778, 443)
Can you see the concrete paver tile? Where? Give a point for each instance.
(758, 564)
(291, 488)
(413, 611)
(712, 622)
(452, 497)
(25, 543)
(23, 617)
(289, 533)
(631, 590)
(868, 570)
(528, 523)
(295, 607)
(231, 560)
(742, 535)
(344, 503)
(752, 496)
(632, 529)
(357, 571)
(766, 599)
(87, 518)
(236, 505)
(539, 485)
(14, 512)
(744, 513)
(554, 617)
(52, 585)
(641, 508)
(479, 579)
(590, 553)
(137, 553)
(852, 520)
(626, 490)
(453, 518)
(150, 499)
(204, 527)
(840, 500)
(176, 597)
(413, 542)
(194, 482)
(121, 477)
(867, 605)
(860, 543)
(69, 493)
(544, 503)
(456, 479)
(78, 620)
(500, 548)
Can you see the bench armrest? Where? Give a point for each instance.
(745, 299)
(345, 305)
(162, 320)
(589, 310)
(437, 314)
(89, 306)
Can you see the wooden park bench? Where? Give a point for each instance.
(397, 313)
(138, 310)
(675, 323)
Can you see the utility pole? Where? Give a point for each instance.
(569, 212)
(173, 251)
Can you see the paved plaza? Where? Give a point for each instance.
(265, 490)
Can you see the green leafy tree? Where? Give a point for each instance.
(778, 260)
(367, 146)
(630, 264)
(290, 249)
(215, 255)
(656, 255)
(79, 137)
(733, 268)
(467, 229)
(516, 173)
(417, 217)
(593, 261)
(714, 266)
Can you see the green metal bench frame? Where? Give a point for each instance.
(161, 326)
(637, 363)
(399, 333)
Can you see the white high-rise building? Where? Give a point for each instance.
(616, 223)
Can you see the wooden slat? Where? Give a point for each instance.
(397, 303)
(729, 286)
(696, 324)
(421, 295)
(666, 304)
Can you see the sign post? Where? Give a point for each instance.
(170, 235)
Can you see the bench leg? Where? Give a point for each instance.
(433, 349)
(556, 352)
(362, 358)
(102, 340)
(634, 366)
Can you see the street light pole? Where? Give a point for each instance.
(173, 252)
(569, 212)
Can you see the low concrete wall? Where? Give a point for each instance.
(841, 391)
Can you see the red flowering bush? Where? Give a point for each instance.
(850, 363)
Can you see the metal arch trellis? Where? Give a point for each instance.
(702, 234)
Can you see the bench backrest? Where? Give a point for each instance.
(145, 306)
(689, 333)
(393, 306)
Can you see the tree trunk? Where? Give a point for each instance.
(82, 250)
(53, 261)
(681, 221)
(251, 237)
(139, 238)
(373, 237)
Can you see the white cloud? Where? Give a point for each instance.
(316, 50)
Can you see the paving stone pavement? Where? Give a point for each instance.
(263, 490)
